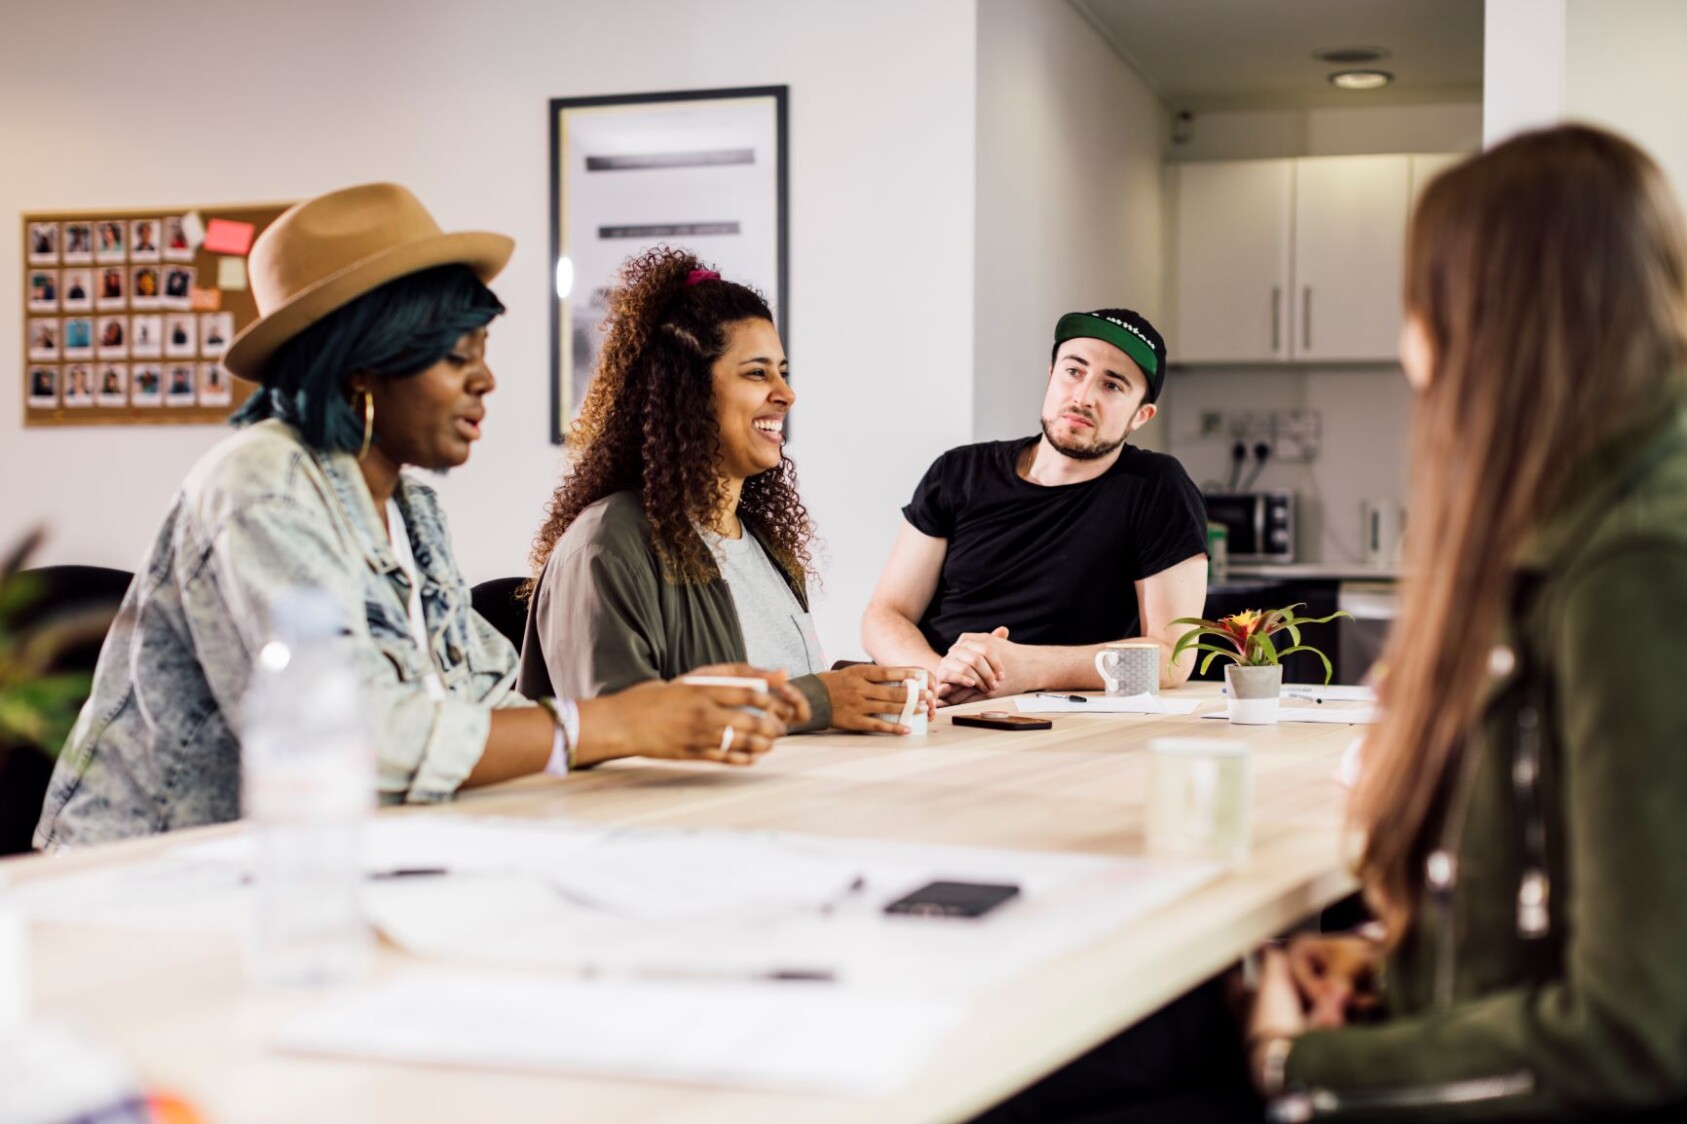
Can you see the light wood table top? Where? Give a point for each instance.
(178, 1006)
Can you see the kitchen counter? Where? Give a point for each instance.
(1312, 571)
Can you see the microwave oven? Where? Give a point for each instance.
(1260, 525)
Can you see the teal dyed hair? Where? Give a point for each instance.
(395, 331)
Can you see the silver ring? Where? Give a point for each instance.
(726, 737)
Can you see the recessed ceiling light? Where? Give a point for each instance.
(1361, 79)
(1350, 56)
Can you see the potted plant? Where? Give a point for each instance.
(1254, 677)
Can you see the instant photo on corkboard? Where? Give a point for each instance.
(127, 313)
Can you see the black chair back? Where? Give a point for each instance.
(26, 769)
(496, 601)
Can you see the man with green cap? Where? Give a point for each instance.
(1020, 559)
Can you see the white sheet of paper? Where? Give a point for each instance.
(1103, 704)
(1326, 715)
(798, 1037)
(1335, 692)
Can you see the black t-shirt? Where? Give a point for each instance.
(1056, 565)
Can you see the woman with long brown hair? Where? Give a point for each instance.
(1524, 804)
(678, 536)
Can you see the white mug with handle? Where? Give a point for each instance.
(1129, 667)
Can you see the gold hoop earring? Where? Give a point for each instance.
(368, 424)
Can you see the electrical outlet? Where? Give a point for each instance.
(1248, 426)
(1212, 423)
(1295, 436)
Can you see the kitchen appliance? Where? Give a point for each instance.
(1381, 520)
(1372, 607)
(1260, 526)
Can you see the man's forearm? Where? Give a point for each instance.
(895, 641)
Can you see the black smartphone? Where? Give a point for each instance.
(1002, 720)
(954, 899)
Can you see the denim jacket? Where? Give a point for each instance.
(156, 746)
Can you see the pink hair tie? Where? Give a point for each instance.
(702, 275)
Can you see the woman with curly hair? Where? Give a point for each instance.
(678, 539)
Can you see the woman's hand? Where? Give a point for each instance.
(678, 721)
(862, 692)
(1275, 1013)
(1335, 976)
(790, 705)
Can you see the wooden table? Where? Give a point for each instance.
(178, 1006)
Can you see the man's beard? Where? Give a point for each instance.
(1089, 452)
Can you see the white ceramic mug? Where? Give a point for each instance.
(913, 713)
(1130, 667)
(1200, 800)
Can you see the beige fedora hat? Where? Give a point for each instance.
(326, 252)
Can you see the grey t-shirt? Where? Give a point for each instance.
(778, 634)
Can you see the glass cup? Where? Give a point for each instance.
(1130, 667)
(913, 713)
(1200, 799)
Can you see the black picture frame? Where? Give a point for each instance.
(563, 403)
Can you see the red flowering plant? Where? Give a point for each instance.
(1249, 634)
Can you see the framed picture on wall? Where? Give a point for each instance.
(700, 169)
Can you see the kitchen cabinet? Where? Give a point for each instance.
(1350, 244)
(1233, 243)
(1299, 260)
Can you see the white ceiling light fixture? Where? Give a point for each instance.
(1360, 79)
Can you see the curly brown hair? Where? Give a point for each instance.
(648, 423)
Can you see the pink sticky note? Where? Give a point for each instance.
(225, 236)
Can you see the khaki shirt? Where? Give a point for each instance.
(604, 615)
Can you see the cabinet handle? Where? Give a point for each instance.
(1276, 317)
(1306, 319)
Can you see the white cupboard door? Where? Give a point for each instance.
(1350, 236)
(1232, 286)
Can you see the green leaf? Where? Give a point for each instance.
(1329, 673)
(1213, 654)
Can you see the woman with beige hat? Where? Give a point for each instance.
(370, 354)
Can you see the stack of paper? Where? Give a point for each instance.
(1105, 704)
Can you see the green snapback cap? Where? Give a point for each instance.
(1126, 330)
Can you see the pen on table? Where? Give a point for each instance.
(1058, 695)
(248, 879)
(769, 975)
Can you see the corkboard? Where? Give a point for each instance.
(152, 346)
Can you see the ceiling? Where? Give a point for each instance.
(1257, 54)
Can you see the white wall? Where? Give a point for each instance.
(1523, 53)
(267, 102)
(1624, 71)
(1614, 63)
(1069, 214)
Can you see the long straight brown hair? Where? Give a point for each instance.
(1550, 274)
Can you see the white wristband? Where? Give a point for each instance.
(567, 736)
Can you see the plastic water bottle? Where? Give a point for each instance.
(308, 791)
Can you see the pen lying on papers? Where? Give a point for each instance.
(1058, 695)
(769, 975)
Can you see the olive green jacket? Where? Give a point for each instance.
(604, 616)
(1546, 972)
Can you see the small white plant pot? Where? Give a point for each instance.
(1253, 693)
